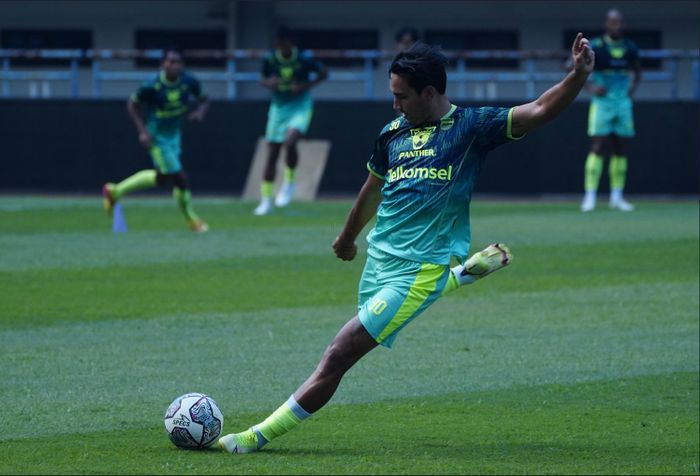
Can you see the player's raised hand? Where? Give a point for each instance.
(344, 250)
(582, 55)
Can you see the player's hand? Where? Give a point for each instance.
(297, 88)
(345, 250)
(272, 82)
(145, 139)
(597, 90)
(582, 55)
(196, 115)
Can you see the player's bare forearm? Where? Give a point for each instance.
(363, 210)
(552, 102)
(270, 82)
(135, 116)
(636, 76)
(201, 110)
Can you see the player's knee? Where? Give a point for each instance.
(337, 359)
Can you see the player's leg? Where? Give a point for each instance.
(593, 172)
(286, 192)
(112, 192)
(350, 344)
(478, 266)
(274, 135)
(408, 288)
(267, 186)
(598, 130)
(183, 197)
(300, 113)
(624, 129)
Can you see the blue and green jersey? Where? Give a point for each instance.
(429, 172)
(298, 68)
(167, 102)
(614, 62)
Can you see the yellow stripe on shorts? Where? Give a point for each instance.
(423, 286)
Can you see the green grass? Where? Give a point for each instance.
(580, 358)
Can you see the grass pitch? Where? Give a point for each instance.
(580, 358)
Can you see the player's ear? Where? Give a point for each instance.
(429, 93)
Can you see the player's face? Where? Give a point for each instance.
(173, 65)
(614, 24)
(407, 102)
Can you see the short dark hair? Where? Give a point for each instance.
(407, 30)
(173, 49)
(422, 65)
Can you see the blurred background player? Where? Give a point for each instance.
(288, 73)
(405, 38)
(166, 99)
(421, 176)
(610, 120)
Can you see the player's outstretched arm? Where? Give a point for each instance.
(361, 213)
(552, 102)
(144, 136)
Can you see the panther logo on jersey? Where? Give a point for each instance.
(287, 73)
(421, 136)
(173, 95)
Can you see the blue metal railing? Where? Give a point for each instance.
(231, 75)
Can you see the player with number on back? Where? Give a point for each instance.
(421, 176)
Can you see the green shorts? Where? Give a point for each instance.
(610, 116)
(165, 152)
(295, 114)
(394, 291)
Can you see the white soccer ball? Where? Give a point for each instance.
(193, 421)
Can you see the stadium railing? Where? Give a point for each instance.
(232, 76)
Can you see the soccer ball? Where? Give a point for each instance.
(193, 421)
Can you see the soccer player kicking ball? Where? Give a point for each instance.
(421, 176)
(167, 97)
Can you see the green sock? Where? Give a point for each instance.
(285, 418)
(140, 180)
(290, 175)
(267, 189)
(184, 200)
(618, 172)
(594, 169)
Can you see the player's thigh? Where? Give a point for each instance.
(624, 119)
(599, 118)
(401, 292)
(277, 119)
(301, 118)
(165, 153)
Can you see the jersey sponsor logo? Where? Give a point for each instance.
(430, 173)
(412, 154)
(421, 136)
